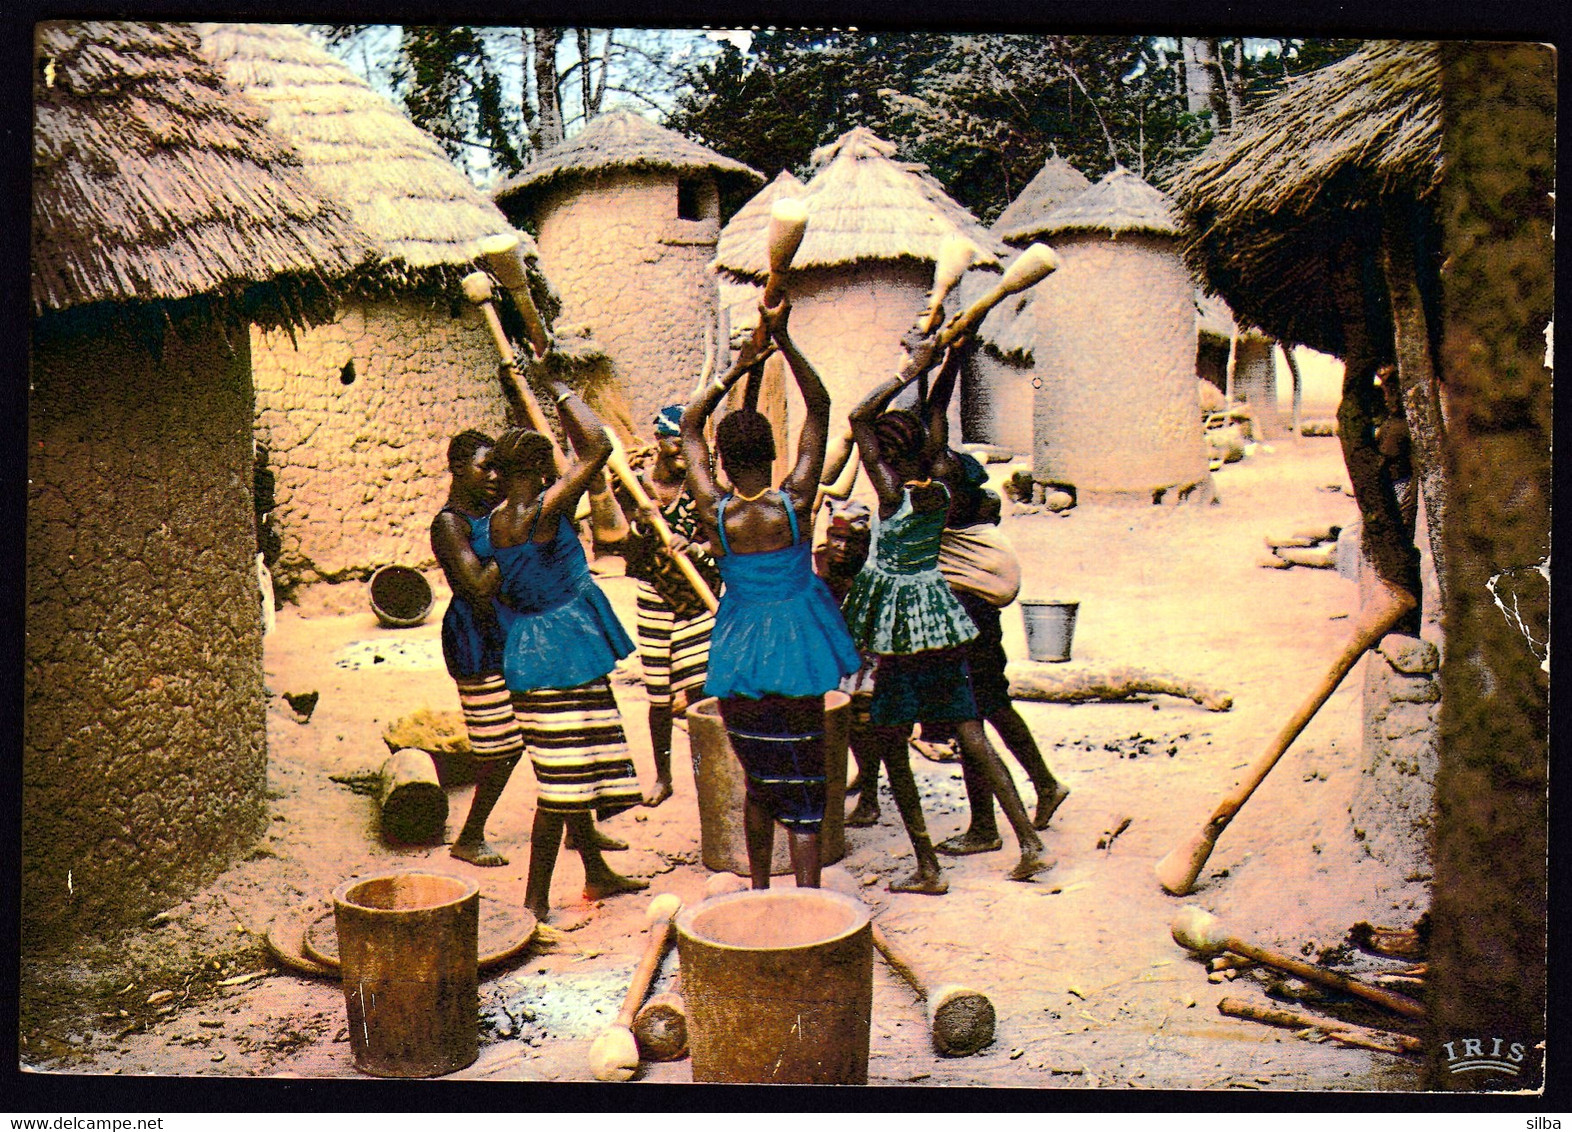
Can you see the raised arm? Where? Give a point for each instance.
(920, 358)
(803, 481)
(695, 449)
(936, 410)
(591, 447)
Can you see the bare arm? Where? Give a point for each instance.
(937, 446)
(508, 375)
(591, 447)
(695, 449)
(471, 579)
(862, 418)
(803, 482)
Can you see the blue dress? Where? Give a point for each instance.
(470, 648)
(561, 629)
(778, 631)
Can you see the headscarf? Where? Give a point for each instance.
(668, 422)
(850, 516)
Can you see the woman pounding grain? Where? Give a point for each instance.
(779, 642)
(562, 639)
(472, 638)
(901, 609)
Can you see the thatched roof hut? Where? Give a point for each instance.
(1056, 182)
(1120, 204)
(626, 214)
(179, 193)
(372, 398)
(863, 206)
(1274, 205)
(164, 216)
(618, 141)
(425, 217)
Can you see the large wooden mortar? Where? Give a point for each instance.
(779, 987)
(721, 785)
(408, 946)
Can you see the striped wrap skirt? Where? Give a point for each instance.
(674, 651)
(780, 742)
(578, 749)
(488, 717)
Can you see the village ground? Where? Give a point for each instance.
(1089, 987)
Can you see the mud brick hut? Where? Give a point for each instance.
(1112, 338)
(1325, 218)
(355, 415)
(165, 219)
(860, 278)
(626, 214)
(997, 389)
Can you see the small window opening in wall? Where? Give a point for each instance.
(690, 198)
(347, 374)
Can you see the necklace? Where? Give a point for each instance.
(919, 483)
(760, 494)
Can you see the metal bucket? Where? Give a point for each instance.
(722, 786)
(400, 596)
(779, 987)
(1050, 627)
(408, 946)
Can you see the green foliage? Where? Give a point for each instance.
(452, 87)
(983, 111)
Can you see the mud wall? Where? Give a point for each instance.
(1255, 383)
(144, 756)
(1115, 352)
(356, 416)
(1488, 945)
(996, 402)
(638, 274)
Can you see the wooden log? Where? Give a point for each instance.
(661, 1028)
(412, 804)
(1344, 1033)
(1316, 557)
(1054, 683)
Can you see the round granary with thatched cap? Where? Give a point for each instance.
(164, 216)
(626, 214)
(1113, 337)
(355, 415)
(860, 278)
(997, 387)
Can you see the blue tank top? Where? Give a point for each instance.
(778, 630)
(561, 629)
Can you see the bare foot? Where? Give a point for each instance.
(965, 844)
(542, 914)
(612, 884)
(944, 752)
(477, 853)
(658, 794)
(598, 841)
(1048, 804)
(928, 881)
(1029, 866)
(863, 815)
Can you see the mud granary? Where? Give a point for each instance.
(861, 276)
(626, 214)
(354, 415)
(165, 220)
(997, 389)
(1394, 210)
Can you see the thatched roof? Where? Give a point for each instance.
(1056, 182)
(742, 240)
(1276, 203)
(863, 204)
(155, 182)
(622, 140)
(425, 217)
(1118, 204)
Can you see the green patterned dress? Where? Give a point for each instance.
(900, 604)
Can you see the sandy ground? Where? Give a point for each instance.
(1090, 990)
